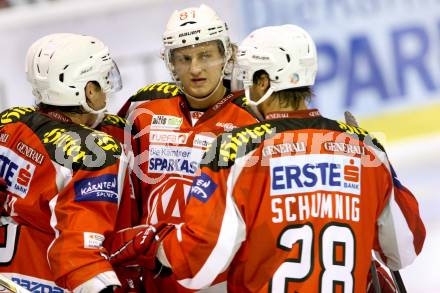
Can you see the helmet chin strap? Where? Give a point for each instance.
(261, 100)
(99, 113)
(254, 104)
(256, 112)
(98, 120)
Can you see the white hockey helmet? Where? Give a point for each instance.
(286, 53)
(29, 64)
(59, 66)
(192, 26)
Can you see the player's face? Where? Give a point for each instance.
(199, 68)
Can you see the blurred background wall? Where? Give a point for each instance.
(379, 59)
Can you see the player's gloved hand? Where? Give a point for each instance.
(142, 247)
(350, 119)
(129, 274)
(385, 281)
(3, 193)
(116, 240)
(130, 277)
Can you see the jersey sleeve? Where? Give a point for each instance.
(125, 109)
(82, 213)
(400, 229)
(199, 251)
(128, 215)
(123, 132)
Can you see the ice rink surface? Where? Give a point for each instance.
(417, 163)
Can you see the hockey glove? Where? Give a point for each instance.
(116, 240)
(128, 273)
(130, 278)
(142, 247)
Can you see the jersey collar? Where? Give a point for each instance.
(208, 113)
(57, 115)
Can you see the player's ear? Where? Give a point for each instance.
(91, 89)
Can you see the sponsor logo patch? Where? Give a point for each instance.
(189, 33)
(203, 187)
(289, 147)
(227, 126)
(15, 114)
(161, 87)
(166, 122)
(196, 115)
(4, 137)
(352, 129)
(176, 160)
(115, 120)
(340, 147)
(30, 152)
(101, 188)
(168, 137)
(222, 102)
(33, 284)
(16, 171)
(93, 240)
(70, 143)
(319, 172)
(202, 141)
(228, 149)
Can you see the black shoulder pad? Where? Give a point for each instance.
(161, 90)
(72, 145)
(240, 100)
(360, 134)
(15, 114)
(228, 147)
(79, 147)
(114, 120)
(235, 144)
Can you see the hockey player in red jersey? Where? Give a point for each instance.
(295, 203)
(177, 121)
(102, 120)
(66, 182)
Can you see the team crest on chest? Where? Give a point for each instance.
(168, 200)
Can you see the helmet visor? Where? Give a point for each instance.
(236, 79)
(113, 79)
(204, 55)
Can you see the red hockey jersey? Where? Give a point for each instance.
(294, 204)
(171, 140)
(66, 184)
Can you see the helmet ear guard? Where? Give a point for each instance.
(286, 53)
(59, 66)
